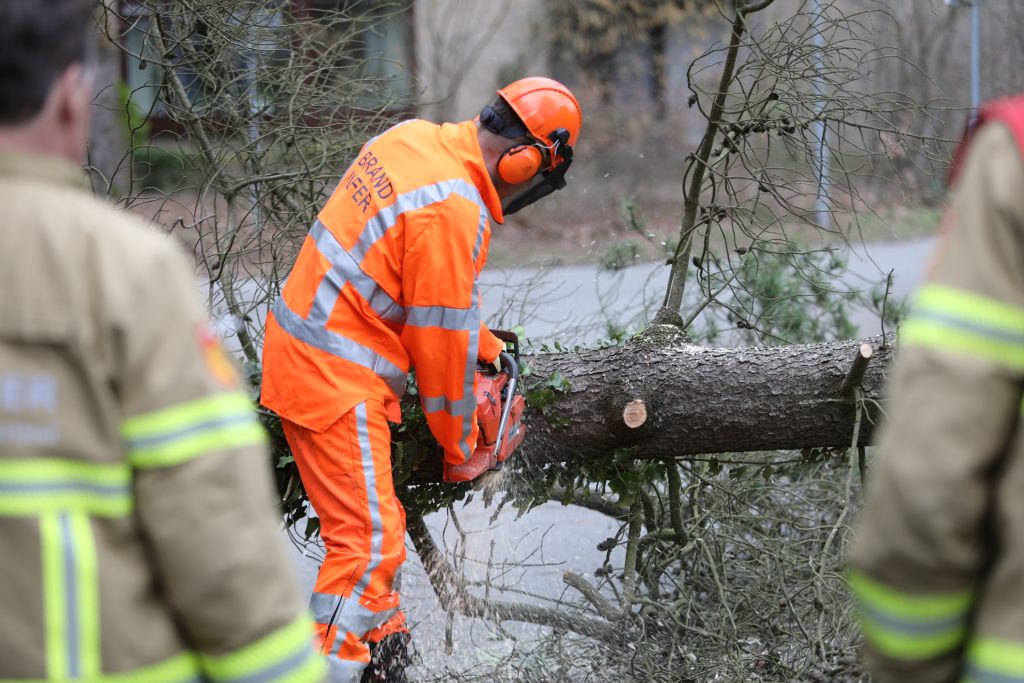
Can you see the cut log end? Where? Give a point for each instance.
(856, 373)
(635, 413)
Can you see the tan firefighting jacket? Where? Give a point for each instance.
(387, 278)
(938, 559)
(137, 539)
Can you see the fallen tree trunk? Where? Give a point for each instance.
(675, 400)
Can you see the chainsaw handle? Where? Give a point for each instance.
(511, 367)
(509, 338)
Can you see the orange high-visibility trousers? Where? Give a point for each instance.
(347, 474)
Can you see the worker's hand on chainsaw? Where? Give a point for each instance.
(488, 346)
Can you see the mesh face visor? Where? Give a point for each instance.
(496, 123)
(549, 180)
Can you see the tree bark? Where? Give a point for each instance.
(701, 400)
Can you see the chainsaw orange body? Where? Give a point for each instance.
(499, 415)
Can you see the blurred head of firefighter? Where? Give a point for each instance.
(385, 281)
(138, 535)
(45, 81)
(938, 560)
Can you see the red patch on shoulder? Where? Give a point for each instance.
(217, 362)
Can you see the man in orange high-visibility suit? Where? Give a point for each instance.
(387, 278)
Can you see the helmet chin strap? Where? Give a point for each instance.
(549, 181)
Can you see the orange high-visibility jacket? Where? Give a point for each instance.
(387, 277)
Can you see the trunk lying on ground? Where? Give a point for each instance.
(674, 399)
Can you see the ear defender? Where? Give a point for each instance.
(520, 163)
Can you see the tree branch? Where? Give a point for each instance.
(445, 583)
(752, 7)
(670, 309)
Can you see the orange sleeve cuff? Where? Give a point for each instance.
(490, 346)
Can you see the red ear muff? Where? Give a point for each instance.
(519, 164)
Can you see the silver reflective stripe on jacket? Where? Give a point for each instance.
(346, 268)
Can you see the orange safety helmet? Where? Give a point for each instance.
(551, 115)
(544, 105)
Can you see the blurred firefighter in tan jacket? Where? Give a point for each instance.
(938, 561)
(137, 536)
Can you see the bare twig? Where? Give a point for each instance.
(604, 608)
(445, 583)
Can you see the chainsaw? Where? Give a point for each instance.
(499, 415)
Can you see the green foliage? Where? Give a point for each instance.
(791, 298)
(615, 335)
(134, 121)
(543, 398)
(619, 255)
(166, 169)
(633, 220)
(155, 166)
(414, 447)
(890, 310)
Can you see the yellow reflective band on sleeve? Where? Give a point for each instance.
(179, 433)
(908, 626)
(31, 487)
(285, 656)
(990, 660)
(954, 320)
(180, 669)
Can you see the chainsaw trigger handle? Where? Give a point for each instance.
(499, 409)
(509, 338)
(509, 365)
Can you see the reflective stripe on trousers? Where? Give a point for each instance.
(347, 474)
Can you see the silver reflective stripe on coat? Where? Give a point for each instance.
(346, 268)
(455, 319)
(465, 405)
(339, 345)
(913, 627)
(435, 404)
(973, 326)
